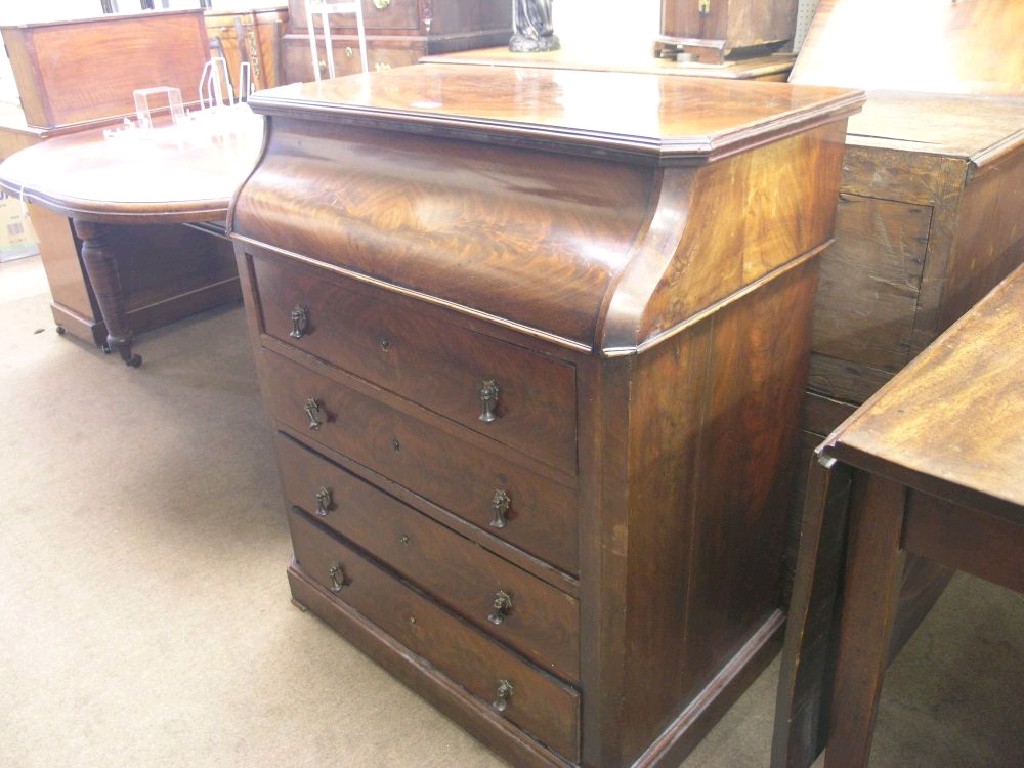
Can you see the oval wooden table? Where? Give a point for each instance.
(104, 178)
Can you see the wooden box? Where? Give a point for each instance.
(716, 30)
(535, 370)
(72, 74)
(398, 32)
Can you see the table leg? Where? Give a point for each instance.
(808, 654)
(874, 567)
(101, 267)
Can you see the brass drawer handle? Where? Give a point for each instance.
(502, 607)
(300, 321)
(313, 413)
(380, 5)
(489, 401)
(338, 578)
(501, 503)
(323, 501)
(504, 694)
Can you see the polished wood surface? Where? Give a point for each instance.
(167, 174)
(623, 57)
(933, 466)
(121, 191)
(409, 236)
(969, 46)
(72, 74)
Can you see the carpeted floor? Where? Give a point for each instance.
(145, 618)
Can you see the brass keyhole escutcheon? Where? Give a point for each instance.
(380, 5)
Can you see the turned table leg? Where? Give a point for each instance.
(101, 267)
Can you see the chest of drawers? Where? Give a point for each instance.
(535, 374)
(398, 33)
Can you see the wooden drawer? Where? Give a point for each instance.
(540, 704)
(542, 622)
(438, 365)
(396, 15)
(542, 515)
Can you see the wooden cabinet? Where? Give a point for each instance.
(253, 36)
(74, 74)
(535, 372)
(398, 33)
(712, 31)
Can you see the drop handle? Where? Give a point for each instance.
(489, 401)
(501, 504)
(300, 322)
(338, 578)
(314, 413)
(502, 607)
(503, 695)
(324, 500)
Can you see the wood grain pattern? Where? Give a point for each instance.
(543, 514)
(511, 211)
(736, 24)
(55, 65)
(543, 622)
(440, 366)
(540, 704)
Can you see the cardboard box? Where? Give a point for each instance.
(17, 237)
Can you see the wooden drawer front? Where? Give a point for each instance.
(542, 622)
(540, 704)
(440, 366)
(542, 514)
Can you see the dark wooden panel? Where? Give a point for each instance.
(123, 52)
(439, 365)
(543, 515)
(540, 704)
(543, 623)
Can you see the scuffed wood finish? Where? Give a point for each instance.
(935, 459)
(72, 74)
(928, 221)
(650, 275)
(969, 46)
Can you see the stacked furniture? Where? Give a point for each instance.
(534, 371)
(929, 220)
(931, 193)
(399, 33)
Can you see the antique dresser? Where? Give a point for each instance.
(398, 33)
(534, 368)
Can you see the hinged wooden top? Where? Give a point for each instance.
(950, 423)
(975, 128)
(664, 120)
(600, 211)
